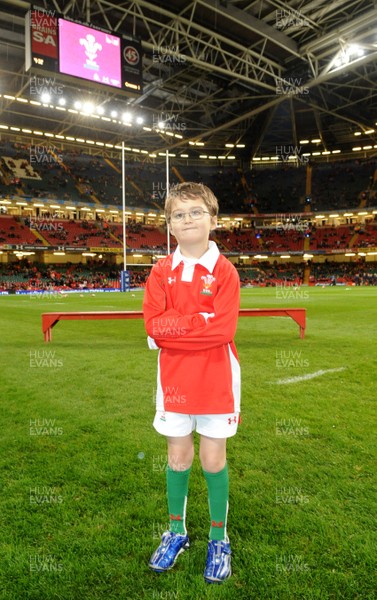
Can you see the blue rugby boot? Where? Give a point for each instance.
(218, 566)
(172, 545)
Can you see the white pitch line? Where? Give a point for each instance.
(299, 378)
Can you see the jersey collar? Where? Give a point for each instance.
(208, 260)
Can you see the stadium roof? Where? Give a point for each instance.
(263, 74)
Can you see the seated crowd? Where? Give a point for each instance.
(28, 276)
(73, 176)
(55, 231)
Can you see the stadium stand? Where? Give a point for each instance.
(279, 188)
(13, 231)
(49, 179)
(49, 172)
(45, 172)
(330, 237)
(75, 233)
(341, 185)
(26, 275)
(366, 236)
(332, 273)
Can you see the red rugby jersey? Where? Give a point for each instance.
(198, 368)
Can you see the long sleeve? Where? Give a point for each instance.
(218, 330)
(173, 330)
(162, 323)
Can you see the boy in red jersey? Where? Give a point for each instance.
(191, 306)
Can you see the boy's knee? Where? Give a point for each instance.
(181, 461)
(212, 455)
(180, 453)
(180, 466)
(212, 464)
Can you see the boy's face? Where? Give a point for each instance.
(189, 230)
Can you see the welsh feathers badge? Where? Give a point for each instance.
(207, 283)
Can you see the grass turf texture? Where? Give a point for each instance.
(83, 472)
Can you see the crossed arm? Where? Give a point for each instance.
(171, 329)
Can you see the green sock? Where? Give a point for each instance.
(218, 495)
(177, 490)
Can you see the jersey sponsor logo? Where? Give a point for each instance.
(207, 283)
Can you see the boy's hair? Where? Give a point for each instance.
(191, 191)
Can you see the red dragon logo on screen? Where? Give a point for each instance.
(131, 55)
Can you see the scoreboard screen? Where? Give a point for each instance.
(90, 54)
(59, 46)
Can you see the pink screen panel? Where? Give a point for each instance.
(90, 54)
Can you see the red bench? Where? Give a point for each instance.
(49, 320)
(297, 314)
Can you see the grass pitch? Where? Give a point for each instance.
(83, 472)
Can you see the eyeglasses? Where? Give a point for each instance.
(195, 213)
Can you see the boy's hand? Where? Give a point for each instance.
(152, 344)
(207, 315)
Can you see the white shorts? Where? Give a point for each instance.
(178, 425)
